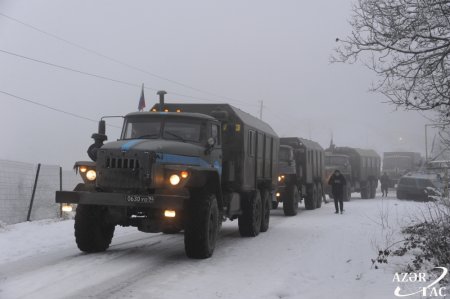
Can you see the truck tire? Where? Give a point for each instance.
(250, 221)
(373, 189)
(265, 211)
(319, 195)
(290, 200)
(92, 233)
(310, 200)
(347, 193)
(364, 190)
(274, 205)
(202, 223)
(400, 195)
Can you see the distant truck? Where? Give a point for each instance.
(179, 167)
(361, 168)
(397, 164)
(300, 175)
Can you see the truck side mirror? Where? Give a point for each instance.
(210, 145)
(99, 138)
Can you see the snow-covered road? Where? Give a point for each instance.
(316, 254)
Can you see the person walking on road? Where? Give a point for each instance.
(385, 182)
(338, 183)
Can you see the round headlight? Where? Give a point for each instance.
(91, 175)
(174, 179)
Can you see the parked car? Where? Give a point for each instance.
(418, 186)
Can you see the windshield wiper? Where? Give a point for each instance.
(147, 136)
(175, 135)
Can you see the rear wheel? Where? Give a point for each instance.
(250, 221)
(364, 190)
(265, 211)
(347, 193)
(274, 205)
(290, 200)
(319, 195)
(202, 225)
(92, 232)
(311, 194)
(373, 189)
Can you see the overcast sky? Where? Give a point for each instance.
(240, 52)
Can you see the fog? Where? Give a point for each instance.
(240, 52)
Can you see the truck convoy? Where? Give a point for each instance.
(361, 168)
(178, 167)
(397, 164)
(300, 175)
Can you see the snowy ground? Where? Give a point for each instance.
(316, 254)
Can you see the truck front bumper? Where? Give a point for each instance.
(159, 200)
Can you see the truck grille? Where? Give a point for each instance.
(125, 172)
(122, 163)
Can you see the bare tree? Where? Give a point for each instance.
(407, 43)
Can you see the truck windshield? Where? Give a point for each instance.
(336, 160)
(400, 162)
(285, 154)
(182, 130)
(172, 129)
(141, 128)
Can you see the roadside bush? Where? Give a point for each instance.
(427, 240)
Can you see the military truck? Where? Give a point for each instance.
(300, 175)
(397, 164)
(361, 168)
(177, 167)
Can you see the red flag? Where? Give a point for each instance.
(141, 105)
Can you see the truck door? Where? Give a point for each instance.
(216, 152)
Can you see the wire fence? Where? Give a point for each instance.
(18, 180)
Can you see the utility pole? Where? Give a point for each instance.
(261, 109)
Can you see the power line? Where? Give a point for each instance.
(51, 108)
(116, 60)
(66, 68)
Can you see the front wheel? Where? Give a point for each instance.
(202, 225)
(92, 232)
(290, 200)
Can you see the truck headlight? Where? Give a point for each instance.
(66, 207)
(91, 175)
(280, 178)
(174, 179)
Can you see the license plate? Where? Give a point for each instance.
(140, 198)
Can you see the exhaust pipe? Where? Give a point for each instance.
(161, 94)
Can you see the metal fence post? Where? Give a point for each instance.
(34, 191)
(60, 189)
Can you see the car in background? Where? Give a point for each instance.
(419, 186)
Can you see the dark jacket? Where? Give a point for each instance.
(384, 180)
(337, 183)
